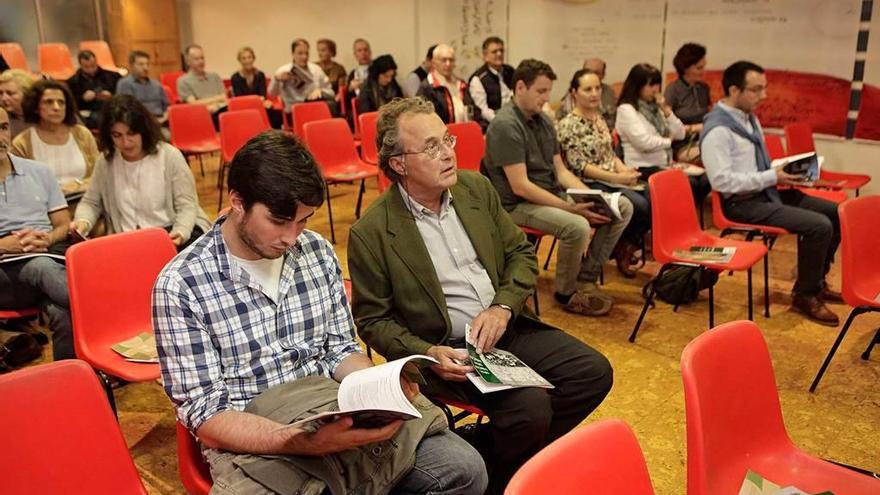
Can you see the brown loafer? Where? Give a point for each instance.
(813, 308)
(831, 296)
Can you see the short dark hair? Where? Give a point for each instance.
(136, 54)
(330, 45)
(528, 71)
(430, 54)
(274, 168)
(85, 55)
(381, 65)
(689, 54)
(576, 78)
(639, 76)
(296, 42)
(735, 75)
(31, 105)
(131, 112)
(492, 40)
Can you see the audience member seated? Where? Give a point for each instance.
(738, 166)
(688, 96)
(140, 181)
(199, 86)
(524, 163)
(56, 139)
(92, 85)
(33, 219)
(147, 91)
(13, 85)
(589, 154)
(302, 80)
(254, 330)
(414, 79)
(446, 91)
(381, 85)
(609, 98)
(363, 55)
(451, 224)
(252, 81)
(490, 84)
(334, 71)
(647, 127)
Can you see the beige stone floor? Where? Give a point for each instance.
(841, 421)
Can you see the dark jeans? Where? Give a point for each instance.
(640, 223)
(814, 220)
(40, 281)
(525, 420)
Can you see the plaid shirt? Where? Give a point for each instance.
(222, 341)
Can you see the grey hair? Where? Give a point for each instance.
(388, 129)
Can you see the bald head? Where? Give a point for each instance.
(444, 60)
(596, 65)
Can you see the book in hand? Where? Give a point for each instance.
(688, 168)
(606, 204)
(706, 253)
(139, 349)
(373, 396)
(755, 484)
(638, 186)
(497, 370)
(805, 165)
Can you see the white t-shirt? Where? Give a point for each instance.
(140, 191)
(66, 160)
(266, 272)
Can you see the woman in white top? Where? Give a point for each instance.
(57, 139)
(140, 181)
(647, 127)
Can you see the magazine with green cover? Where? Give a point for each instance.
(498, 369)
(139, 349)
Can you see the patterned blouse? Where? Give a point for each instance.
(585, 142)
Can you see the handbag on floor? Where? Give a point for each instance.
(17, 349)
(681, 284)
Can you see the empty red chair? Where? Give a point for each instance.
(57, 414)
(799, 139)
(192, 131)
(675, 226)
(248, 102)
(369, 150)
(776, 149)
(170, 79)
(601, 458)
(303, 113)
(236, 128)
(110, 280)
(860, 270)
(354, 118)
(774, 145)
(331, 143)
(14, 56)
(469, 146)
(102, 52)
(734, 421)
(56, 61)
(195, 475)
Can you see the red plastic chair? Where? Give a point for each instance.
(56, 61)
(248, 102)
(236, 128)
(303, 113)
(110, 280)
(774, 145)
(767, 233)
(57, 414)
(170, 79)
(465, 410)
(470, 144)
(192, 131)
(354, 118)
(14, 56)
(799, 138)
(776, 149)
(860, 271)
(369, 150)
(102, 52)
(382, 182)
(332, 145)
(191, 466)
(734, 421)
(11, 314)
(675, 226)
(227, 87)
(341, 96)
(601, 458)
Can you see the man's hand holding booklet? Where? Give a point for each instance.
(603, 203)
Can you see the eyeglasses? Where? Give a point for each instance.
(433, 149)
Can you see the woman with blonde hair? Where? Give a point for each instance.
(13, 84)
(249, 80)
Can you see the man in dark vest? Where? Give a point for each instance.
(490, 85)
(414, 79)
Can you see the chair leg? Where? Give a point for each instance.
(549, 254)
(767, 285)
(867, 354)
(751, 306)
(220, 187)
(201, 164)
(648, 301)
(108, 389)
(852, 314)
(535, 298)
(712, 306)
(357, 209)
(602, 275)
(330, 214)
(370, 352)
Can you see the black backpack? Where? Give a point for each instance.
(681, 284)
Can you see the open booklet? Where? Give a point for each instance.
(706, 253)
(639, 186)
(7, 258)
(807, 165)
(607, 204)
(373, 396)
(688, 168)
(755, 484)
(139, 349)
(497, 370)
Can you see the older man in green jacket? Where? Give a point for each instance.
(438, 252)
